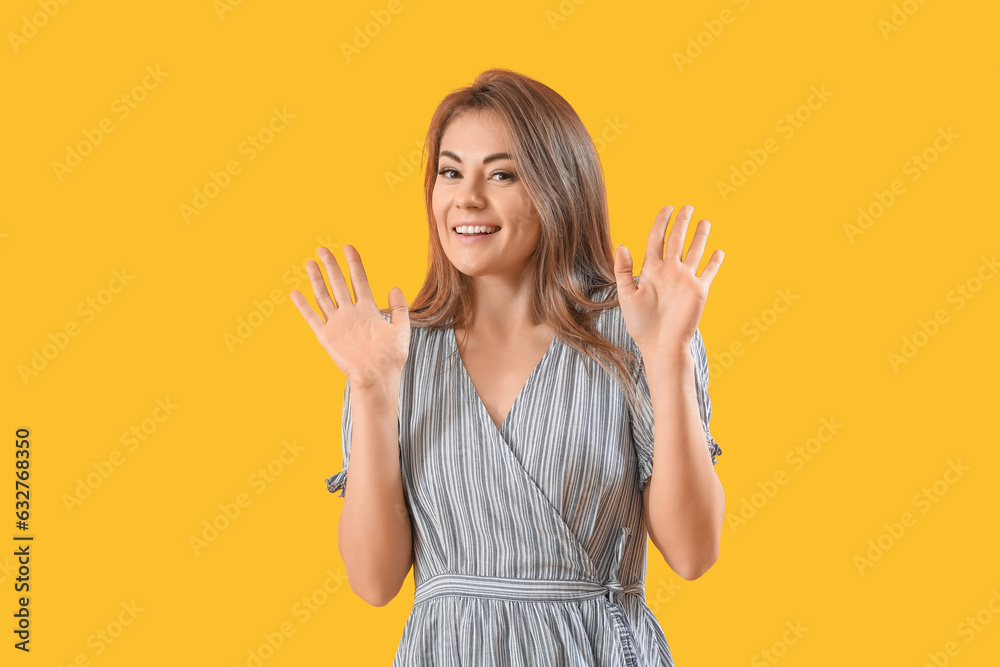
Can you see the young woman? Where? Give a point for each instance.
(500, 432)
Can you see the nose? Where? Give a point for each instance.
(469, 195)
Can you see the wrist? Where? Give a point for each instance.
(380, 386)
(668, 374)
(675, 360)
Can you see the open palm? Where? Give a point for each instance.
(662, 311)
(365, 347)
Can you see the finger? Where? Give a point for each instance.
(623, 273)
(336, 276)
(675, 241)
(654, 244)
(359, 278)
(323, 300)
(697, 249)
(712, 268)
(314, 321)
(398, 308)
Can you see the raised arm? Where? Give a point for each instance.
(374, 537)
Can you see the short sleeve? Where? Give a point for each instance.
(701, 383)
(642, 422)
(338, 482)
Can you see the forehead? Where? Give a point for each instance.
(474, 134)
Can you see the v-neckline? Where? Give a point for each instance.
(484, 412)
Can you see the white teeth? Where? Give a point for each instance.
(476, 229)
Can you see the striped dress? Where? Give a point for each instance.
(529, 542)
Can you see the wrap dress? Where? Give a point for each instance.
(529, 543)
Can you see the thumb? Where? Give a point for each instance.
(623, 272)
(399, 310)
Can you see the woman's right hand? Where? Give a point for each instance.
(365, 347)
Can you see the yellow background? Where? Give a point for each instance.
(322, 180)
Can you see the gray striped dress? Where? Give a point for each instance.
(529, 543)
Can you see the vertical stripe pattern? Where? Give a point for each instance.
(529, 541)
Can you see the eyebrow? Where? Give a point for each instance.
(486, 160)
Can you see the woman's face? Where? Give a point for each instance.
(479, 185)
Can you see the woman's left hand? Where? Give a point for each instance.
(662, 312)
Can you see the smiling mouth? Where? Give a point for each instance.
(476, 230)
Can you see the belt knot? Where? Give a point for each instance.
(612, 585)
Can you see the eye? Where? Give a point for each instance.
(507, 176)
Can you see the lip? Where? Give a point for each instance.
(479, 238)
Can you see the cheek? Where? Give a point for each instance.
(527, 211)
(439, 214)
(442, 233)
(530, 221)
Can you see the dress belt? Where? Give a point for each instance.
(531, 590)
(535, 590)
